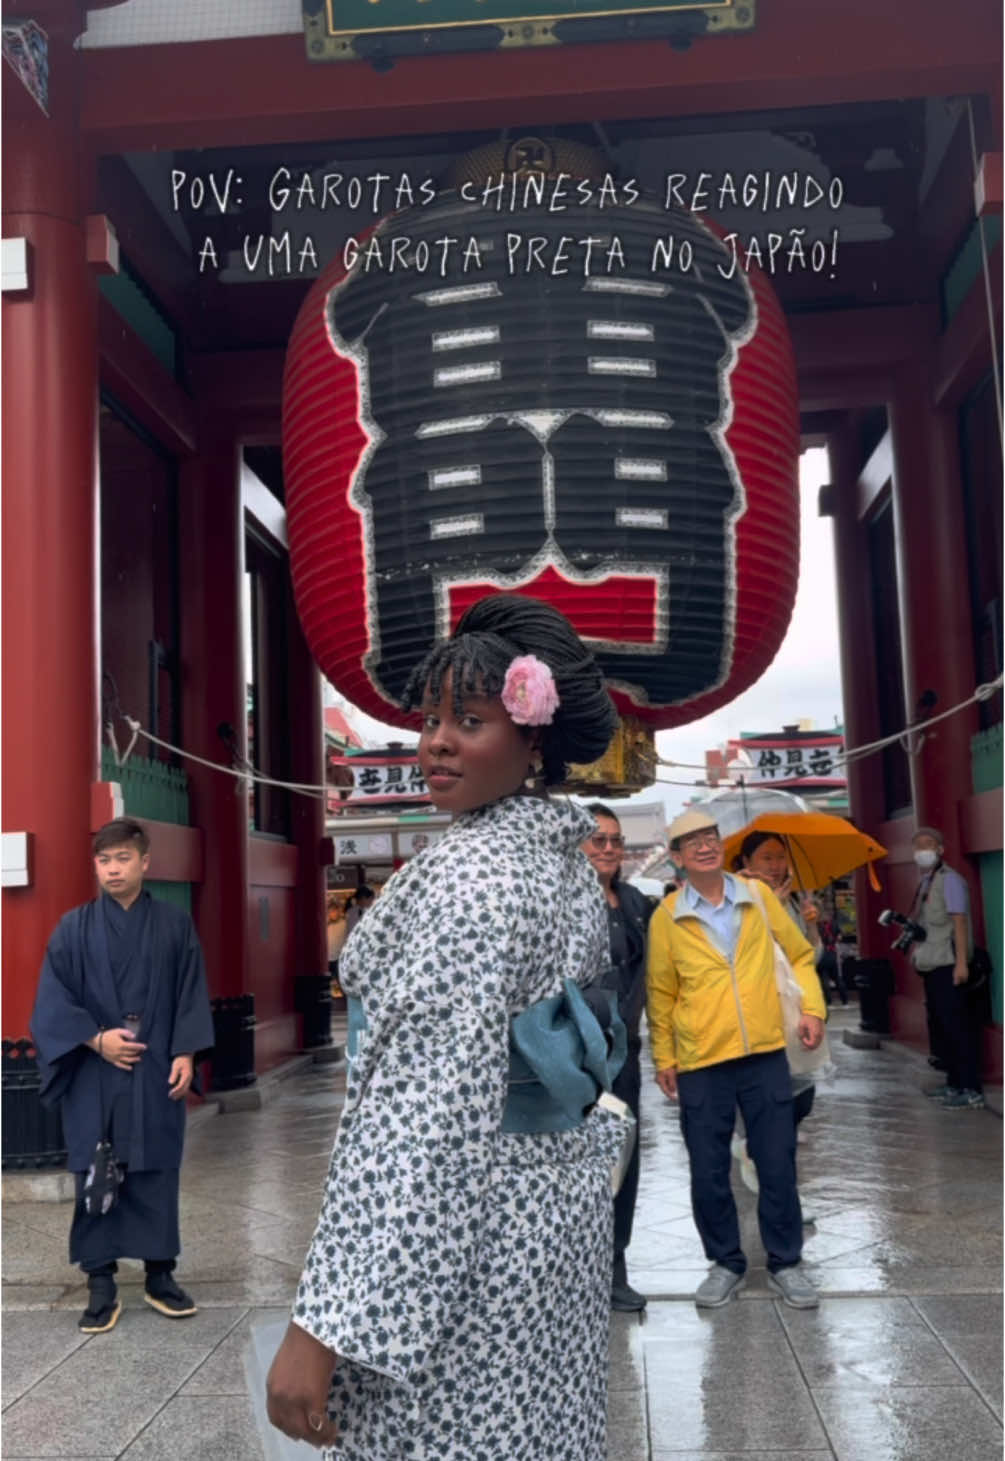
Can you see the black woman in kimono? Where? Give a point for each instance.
(454, 1303)
(121, 1010)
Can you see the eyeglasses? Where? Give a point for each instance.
(702, 839)
(600, 840)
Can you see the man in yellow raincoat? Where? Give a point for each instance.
(715, 1021)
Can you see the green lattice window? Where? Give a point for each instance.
(149, 788)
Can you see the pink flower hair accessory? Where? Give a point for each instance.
(528, 691)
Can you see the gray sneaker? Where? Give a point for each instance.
(939, 1093)
(720, 1286)
(794, 1288)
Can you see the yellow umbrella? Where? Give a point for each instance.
(820, 847)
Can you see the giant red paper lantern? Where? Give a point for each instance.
(622, 442)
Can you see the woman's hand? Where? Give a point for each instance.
(297, 1388)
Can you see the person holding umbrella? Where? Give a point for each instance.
(764, 855)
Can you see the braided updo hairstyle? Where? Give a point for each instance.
(489, 636)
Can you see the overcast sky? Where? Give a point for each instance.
(803, 682)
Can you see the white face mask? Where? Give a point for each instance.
(925, 858)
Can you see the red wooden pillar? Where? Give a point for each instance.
(212, 655)
(858, 671)
(50, 629)
(936, 630)
(308, 813)
(932, 574)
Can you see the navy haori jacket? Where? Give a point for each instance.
(78, 995)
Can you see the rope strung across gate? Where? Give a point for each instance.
(247, 775)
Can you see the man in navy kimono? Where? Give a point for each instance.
(121, 1010)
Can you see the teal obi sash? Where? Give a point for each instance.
(559, 1060)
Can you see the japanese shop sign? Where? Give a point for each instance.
(374, 847)
(378, 780)
(779, 762)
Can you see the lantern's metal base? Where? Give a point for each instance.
(628, 765)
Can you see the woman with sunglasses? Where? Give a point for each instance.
(628, 915)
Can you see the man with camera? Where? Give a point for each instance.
(937, 939)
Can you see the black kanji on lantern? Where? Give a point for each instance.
(517, 420)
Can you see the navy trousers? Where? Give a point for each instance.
(956, 1028)
(760, 1085)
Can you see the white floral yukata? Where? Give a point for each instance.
(462, 1274)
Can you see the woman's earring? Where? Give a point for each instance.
(534, 780)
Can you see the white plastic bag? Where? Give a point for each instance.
(790, 996)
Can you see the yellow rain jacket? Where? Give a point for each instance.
(703, 1007)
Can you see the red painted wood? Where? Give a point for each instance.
(49, 513)
(858, 676)
(140, 383)
(307, 813)
(932, 574)
(239, 380)
(101, 244)
(106, 804)
(271, 864)
(247, 91)
(991, 1055)
(848, 389)
(276, 1041)
(963, 350)
(176, 853)
(845, 339)
(211, 530)
(272, 941)
(981, 819)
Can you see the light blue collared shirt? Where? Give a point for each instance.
(722, 920)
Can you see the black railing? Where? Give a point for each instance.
(234, 1046)
(312, 1000)
(873, 978)
(32, 1133)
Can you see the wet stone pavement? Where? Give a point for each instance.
(901, 1362)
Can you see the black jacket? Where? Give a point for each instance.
(628, 975)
